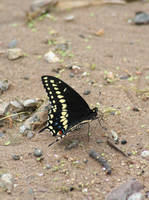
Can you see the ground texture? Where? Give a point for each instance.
(121, 50)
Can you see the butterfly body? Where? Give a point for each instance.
(68, 108)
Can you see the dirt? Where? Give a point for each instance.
(122, 49)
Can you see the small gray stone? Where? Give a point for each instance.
(145, 154)
(126, 189)
(15, 53)
(30, 103)
(6, 182)
(99, 141)
(50, 57)
(71, 75)
(4, 106)
(13, 44)
(141, 18)
(136, 196)
(38, 152)
(16, 106)
(69, 18)
(30, 134)
(16, 157)
(37, 5)
(4, 85)
(48, 166)
(24, 129)
(86, 92)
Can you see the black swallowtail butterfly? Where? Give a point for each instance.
(68, 108)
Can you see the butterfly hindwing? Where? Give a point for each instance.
(68, 108)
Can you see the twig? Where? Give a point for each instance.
(102, 161)
(12, 115)
(111, 144)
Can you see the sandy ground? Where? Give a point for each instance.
(122, 50)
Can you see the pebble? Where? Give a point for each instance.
(30, 103)
(15, 53)
(123, 142)
(124, 190)
(71, 75)
(69, 18)
(147, 194)
(13, 43)
(16, 157)
(136, 196)
(50, 57)
(48, 166)
(62, 46)
(30, 134)
(37, 5)
(36, 120)
(141, 18)
(4, 106)
(99, 141)
(135, 109)
(125, 77)
(86, 92)
(38, 152)
(6, 182)
(24, 129)
(115, 136)
(71, 189)
(76, 69)
(145, 154)
(109, 77)
(16, 106)
(4, 85)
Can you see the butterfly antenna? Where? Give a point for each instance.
(53, 142)
(42, 129)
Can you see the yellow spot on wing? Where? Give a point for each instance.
(58, 92)
(45, 77)
(64, 113)
(65, 122)
(63, 119)
(64, 106)
(50, 127)
(65, 127)
(60, 96)
(62, 100)
(51, 116)
(52, 81)
(55, 88)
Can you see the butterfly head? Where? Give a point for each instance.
(94, 113)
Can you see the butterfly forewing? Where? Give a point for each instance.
(68, 108)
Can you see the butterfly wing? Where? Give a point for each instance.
(68, 108)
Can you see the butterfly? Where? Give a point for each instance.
(68, 108)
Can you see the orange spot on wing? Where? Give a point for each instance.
(60, 132)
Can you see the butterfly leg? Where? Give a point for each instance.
(88, 134)
(99, 121)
